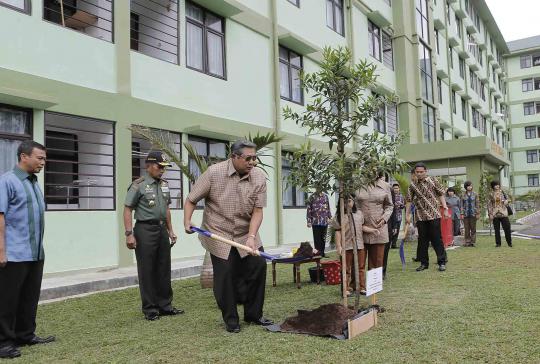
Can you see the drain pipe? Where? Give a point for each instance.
(277, 123)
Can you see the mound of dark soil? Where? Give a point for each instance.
(323, 321)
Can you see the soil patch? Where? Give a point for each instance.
(327, 320)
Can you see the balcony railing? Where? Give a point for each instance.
(92, 17)
(154, 28)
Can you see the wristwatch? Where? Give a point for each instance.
(128, 232)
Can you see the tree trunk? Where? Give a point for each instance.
(343, 251)
(207, 272)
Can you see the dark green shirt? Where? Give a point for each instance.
(150, 198)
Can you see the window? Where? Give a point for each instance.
(451, 54)
(536, 60)
(205, 41)
(532, 156)
(15, 126)
(20, 5)
(464, 109)
(80, 169)
(532, 180)
(530, 132)
(91, 17)
(425, 72)
(388, 55)
(295, 2)
(140, 148)
(334, 15)
(212, 151)
(154, 29)
(454, 108)
(392, 126)
(428, 120)
(458, 26)
(439, 89)
(379, 121)
(292, 196)
(528, 108)
(437, 41)
(462, 68)
(475, 117)
(530, 84)
(374, 41)
(290, 65)
(422, 23)
(442, 134)
(530, 60)
(482, 91)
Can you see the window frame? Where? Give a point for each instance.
(336, 4)
(290, 66)
(423, 18)
(374, 36)
(205, 30)
(532, 156)
(30, 128)
(27, 7)
(294, 205)
(426, 81)
(531, 132)
(113, 156)
(430, 126)
(534, 178)
(527, 107)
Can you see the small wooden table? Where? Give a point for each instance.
(296, 268)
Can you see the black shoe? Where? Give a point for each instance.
(36, 340)
(421, 268)
(234, 329)
(9, 352)
(509, 245)
(442, 267)
(415, 260)
(262, 321)
(173, 311)
(152, 316)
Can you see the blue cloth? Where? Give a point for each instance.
(23, 206)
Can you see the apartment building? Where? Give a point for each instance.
(524, 103)
(75, 74)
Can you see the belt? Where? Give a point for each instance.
(151, 222)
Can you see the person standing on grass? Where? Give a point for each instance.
(470, 212)
(353, 235)
(376, 204)
(427, 194)
(234, 192)
(318, 215)
(21, 250)
(153, 237)
(397, 215)
(454, 204)
(498, 213)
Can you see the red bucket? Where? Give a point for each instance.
(332, 272)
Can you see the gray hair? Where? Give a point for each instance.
(239, 145)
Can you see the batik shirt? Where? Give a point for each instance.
(318, 210)
(425, 195)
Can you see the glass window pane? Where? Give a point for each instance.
(218, 149)
(14, 121)
(8, 154)
(329, 14)
(213, 22)
(300, 197)
(284, 54)
(295, 59)
(199, 146)
(194, 44)
(215, 54)
(296, 85)
(284, 80)
(339, 20)
(287, 194)
(194, 12)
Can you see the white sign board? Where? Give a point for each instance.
(374, 281)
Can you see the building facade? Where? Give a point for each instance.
(524, 102)
(76, 74)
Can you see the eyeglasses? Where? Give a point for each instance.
(249, 158)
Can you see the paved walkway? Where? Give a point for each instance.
(73, 284)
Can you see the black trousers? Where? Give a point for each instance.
(456, 226)
(239, 281)
(430, 231)
(319, 237)
(20, 285)
(153, 253)
(505, 222)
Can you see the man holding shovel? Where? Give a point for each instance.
(235, 195)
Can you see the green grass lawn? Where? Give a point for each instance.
(484, 308)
